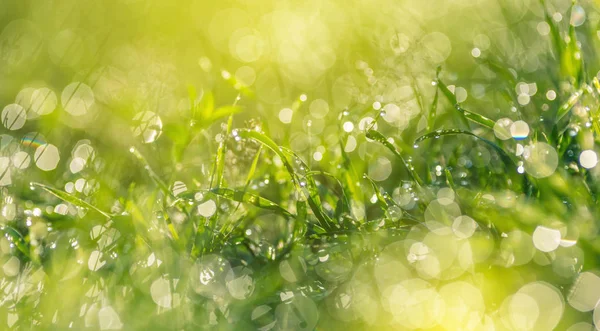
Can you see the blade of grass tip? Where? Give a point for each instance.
(266, 141)
(380, 198)
(433, 111)
(436, 134)
(251, 198)
(313, 198)
(377, 136)
(350, 176)
(467, 115)
(71, 199)
(220, 157)
(417, 93)
(596, 111)
(566, 107)
(16, 238)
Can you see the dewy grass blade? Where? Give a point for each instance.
(251, 198)
(473, 117)
(377, 136)
(505, 157)
(566, 107)
(71, 199)
(312, 196)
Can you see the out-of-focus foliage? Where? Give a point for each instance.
(299, 165)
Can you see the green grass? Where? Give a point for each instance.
(403, 205)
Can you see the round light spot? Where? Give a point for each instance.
(21, 160)
(543, 28)
(43, 101)
(437, 47)
(160, 290)
(62, 209)
(109, 319)
(178, 188)
(523, 99)
(519, 130)
(95, 261)
(461, 94)
(300, 313)
(319, 108)
(207, 209)
(541, 160)
(588, 159)
(285, 115)
(546, 239)
(502, 128)
(551, 95)
(318, 156)
(77, 164)
(415, 304)
(585, 292)
(581, 326)
(549, 301)
(577, 15)
(77, 98)
(11, 267)
(464, 226)
(245, 75)
(516, 248)
(381, 169)
(348, 126)
(46, 157)
(14, 116)
(239, 282)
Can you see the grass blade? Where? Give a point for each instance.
(250, 198)
(71, 199)
(377, 136)
(473, 117)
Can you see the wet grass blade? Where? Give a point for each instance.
(566, 107)
(312, 195)
(436, 134)
(267, 142)
(220, 158)
(16, 238)
(71, 199)
(433, 111)
(473, 117)
(250, 198)
(380, 198)
(377, 136)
